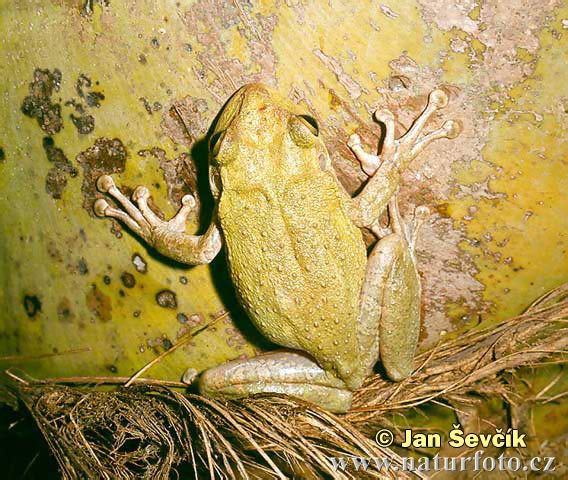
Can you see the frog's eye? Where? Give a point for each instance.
(215, 143)
(303, 130)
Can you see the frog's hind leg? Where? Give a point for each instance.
(284, 372)
(389, 314)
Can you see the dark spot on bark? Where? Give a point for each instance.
(82, 83)
(76, 105)
(55, 183)
(181, 317)
(82, 267)
(150, 108)
(128, 279)
(106, 280)
(2, 155)
(106, 156)
(99, 304)
(88, 6)
(56, 156)
(38, 103)
(112, 368)
(85, 123)
(443, 209)
(32, 305)
(54, 252)
(188, 47)
(94, 99)
(142, 59)
(166, 299)
(155, 43)
(146, 104)
(121, 293)
(64, 311)
(139, 263)
(136, 313)
(183, 280)
(167, 344)
(56, 178)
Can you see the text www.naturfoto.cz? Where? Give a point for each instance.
(436, 463)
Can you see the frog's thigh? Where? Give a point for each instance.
(286, 372)
(389, 317)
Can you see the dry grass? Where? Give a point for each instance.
(150, 430)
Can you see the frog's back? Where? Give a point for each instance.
(298, 263)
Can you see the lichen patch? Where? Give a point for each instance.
(39, 105)
(99, 304)
(105, 157)
(56, 179)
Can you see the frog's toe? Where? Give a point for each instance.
(438, 98)
(100, 207)
(140, 196)
(140, 193)
(452, 128)
(384, 116)
(103, 209)
(105, 183)
(354, 141)
(369, 162)
(188, 204)
(131, 215)
(189, 201)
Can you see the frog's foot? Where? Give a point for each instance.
(284, 372)
(385, 170)
(139, 218)
(369, 162)
(167, 237)
(401, 151)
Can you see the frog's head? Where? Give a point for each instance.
(259, 134)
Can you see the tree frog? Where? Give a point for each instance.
(295, 249)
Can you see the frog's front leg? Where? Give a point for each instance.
(385, 170)
(282, 372)
(167, 237)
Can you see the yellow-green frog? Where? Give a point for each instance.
(295, 250)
